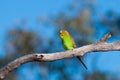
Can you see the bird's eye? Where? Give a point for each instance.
(61, 34)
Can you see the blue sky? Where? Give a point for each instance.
(11, 11)
(17, 9)
(104, 5)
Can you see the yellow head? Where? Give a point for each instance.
(64, 33)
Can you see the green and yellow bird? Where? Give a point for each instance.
(68, 43)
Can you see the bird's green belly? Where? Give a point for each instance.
(68, 46)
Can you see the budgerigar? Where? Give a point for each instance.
(68, 43)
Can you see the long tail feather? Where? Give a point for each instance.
(82, 62)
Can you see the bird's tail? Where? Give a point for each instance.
(79, 58)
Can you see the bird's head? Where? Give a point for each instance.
(63, 33)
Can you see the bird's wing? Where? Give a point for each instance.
(73, 42)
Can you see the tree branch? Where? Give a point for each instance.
(105, 37)
(44, 57)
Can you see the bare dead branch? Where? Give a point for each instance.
(44, 57)
(108, 35)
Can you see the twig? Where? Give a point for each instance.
(108, 35)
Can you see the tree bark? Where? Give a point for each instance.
(102, 45)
